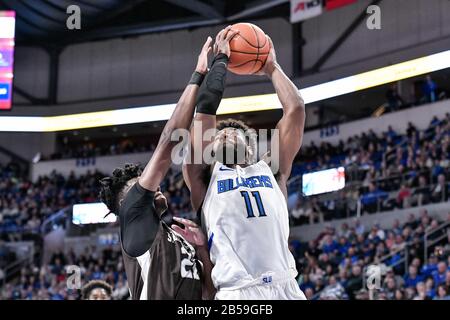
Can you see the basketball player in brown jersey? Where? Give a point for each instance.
(160, 262)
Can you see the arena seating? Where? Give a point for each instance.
(48, 281)
(394, 170)
(334, 265)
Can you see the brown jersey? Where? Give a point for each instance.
(168, 270)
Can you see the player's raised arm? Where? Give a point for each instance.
(209, 97)
(181, 118)
(292, 123)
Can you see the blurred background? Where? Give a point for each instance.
(370, 185)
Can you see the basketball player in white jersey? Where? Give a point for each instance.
(243, 206)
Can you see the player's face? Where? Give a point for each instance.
(230, 146)
(99, 294)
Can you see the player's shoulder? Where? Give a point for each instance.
(267, 163)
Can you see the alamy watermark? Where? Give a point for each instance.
(73, 22)
(73, 277)
(209, 146)
(374, 20)
(374, 275)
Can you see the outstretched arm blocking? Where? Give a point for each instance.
(181, 118)
(209, 98)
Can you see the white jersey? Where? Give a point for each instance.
(246, 218)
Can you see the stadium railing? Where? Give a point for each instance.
(55, 219)
(25, 252)
(444, 229)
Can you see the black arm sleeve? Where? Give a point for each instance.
(211, 91)
(139, 222)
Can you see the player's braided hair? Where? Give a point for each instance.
(238, 124)
(111, 187)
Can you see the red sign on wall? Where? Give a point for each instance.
(334, 4)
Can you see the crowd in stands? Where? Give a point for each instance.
(52, 281)
(333, 265)
(426, 91)
(92, 149)
(25, 205)
(387, 171)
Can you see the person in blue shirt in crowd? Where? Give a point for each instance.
(370, 199)
(429, 88)
(412, 278)
(440, 274)
(429, 284)
(343, 246)
(306, 283)
(329, 245)
(430, 267)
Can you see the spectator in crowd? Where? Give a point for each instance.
(354, 283)
(429, 89)
(429, 286)
(403, 196)
(440, 190)
(395, 101)
(371, 200)
(412, 278)
(390, 288)
(422, 192)
(302, 213)
(442, 293)
(439, 275)
(333, 291)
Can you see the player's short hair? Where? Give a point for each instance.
(232, 123)
(95, 284)
(112, 188)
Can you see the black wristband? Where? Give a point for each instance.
(197, 78)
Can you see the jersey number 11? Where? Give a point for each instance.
(249, 206)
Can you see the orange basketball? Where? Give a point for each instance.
(249, 49)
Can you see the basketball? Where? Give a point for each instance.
(249, 49)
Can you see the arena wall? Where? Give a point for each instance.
(121, 72)
(420, 116)
(105, 164)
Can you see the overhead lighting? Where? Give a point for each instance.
(235, 105)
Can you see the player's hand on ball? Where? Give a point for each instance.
(202, 62)
(222, 44)
(271, 62)
(191, 232)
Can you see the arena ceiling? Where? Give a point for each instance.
(44, 21)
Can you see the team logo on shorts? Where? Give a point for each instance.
(267, 279)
